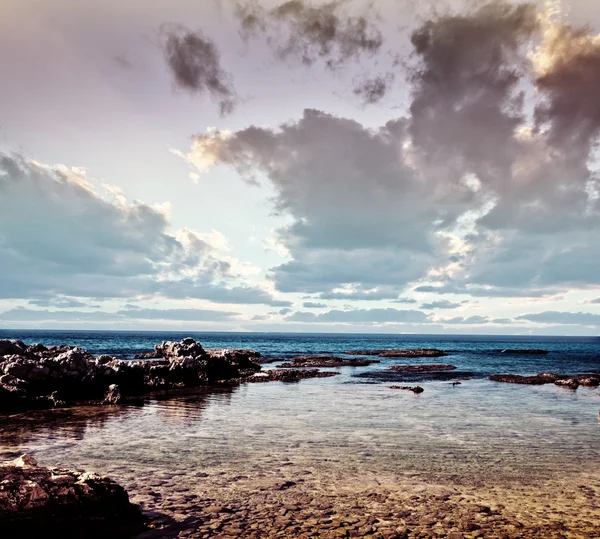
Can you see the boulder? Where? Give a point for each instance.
(58, 503)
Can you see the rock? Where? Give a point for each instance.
(290, 375)
(423, 368)
(326, 361)
(420, 352)
(8, 348)
(414, 389)
(113, 395)
(57, 503)
(24, 461)
(570, 383)
(517, 379)
(525, 351)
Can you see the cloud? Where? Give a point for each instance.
(298, 29)
(358, 292)
(563, 318)
(21, 314)
(469, 320)
(314, 305)
(594, 301)
(61, 234)
(195, 64)
(61, 303)
(440, 304)
(460, 196)
(378, 316)
(373, 90)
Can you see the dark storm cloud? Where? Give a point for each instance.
(299, 29)
(195, 64)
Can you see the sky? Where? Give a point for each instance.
(300, 166)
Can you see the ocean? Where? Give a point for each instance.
(478, 433)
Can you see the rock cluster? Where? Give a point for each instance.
(37, 376)
(326, 361)
(420, 352)
(289, 375)
(564, 380)
(52, 502)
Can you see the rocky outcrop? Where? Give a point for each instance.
(423, 368)
(420, 352)
(58, 503)
(414, 389)
(326, 361)
(41, 377)
(563, 380)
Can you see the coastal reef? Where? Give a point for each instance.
(56, 503)
(39, 377)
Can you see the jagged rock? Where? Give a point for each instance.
(570, 383)
(58, 503)
(326, 361)
(419, 352)
(423, 368)
(564, 380)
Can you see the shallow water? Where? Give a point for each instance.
(470, 433)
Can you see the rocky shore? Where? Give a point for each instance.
(57, 503)
(39, 377)
(326, 361)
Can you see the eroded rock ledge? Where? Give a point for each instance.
(38, 377)
(423, 368)
(53, 502)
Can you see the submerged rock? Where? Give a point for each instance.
(53, 503)
(420, 352)
(289, 375)
(326, 361)
(423, 368)
(414, 389)
(525, 351)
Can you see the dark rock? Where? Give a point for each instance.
(326, 361)
(517, 379)
(289, 375)
(414, 389)
(58, 503)
(423, 368)
(420, 352)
